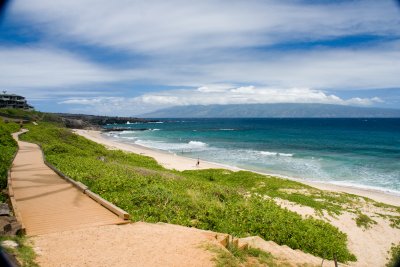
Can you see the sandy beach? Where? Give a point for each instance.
(173, 161)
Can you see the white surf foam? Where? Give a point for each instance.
(191, 146)
(277, 154)
(364, 187)
(197, 144)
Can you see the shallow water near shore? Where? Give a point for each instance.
(352, 152)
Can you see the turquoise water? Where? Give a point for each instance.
(352, 152)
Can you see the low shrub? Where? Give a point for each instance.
(8, 148)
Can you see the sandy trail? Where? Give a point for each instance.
(46, 202)
(137, 244)
(68, 228)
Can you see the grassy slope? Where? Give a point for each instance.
(8, 147)
(217, 200)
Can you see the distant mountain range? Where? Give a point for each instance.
(273, 111)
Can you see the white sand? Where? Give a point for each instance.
(369, 245)
(137, 244)
(172, 161)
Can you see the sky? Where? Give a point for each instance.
(128, 57)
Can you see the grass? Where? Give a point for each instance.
(24, 252)
(395, 221)
(256, 184)
(234, 257)
(394, 256)
(364, 221)
(207, 199)
(8, 148)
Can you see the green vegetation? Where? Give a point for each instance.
(217, 200)
(394, 255)
(253, 184)
(11, 114)
(364, 221)
(8, 147)
(235, 257)
(24, 252)
(393, 219)
(395, 222)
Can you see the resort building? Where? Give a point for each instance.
(13, 101)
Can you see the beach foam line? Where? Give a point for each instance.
(268, 153)
(364, 187)
(173, 147)
(188, 163)
(312, 182)
(193, 146)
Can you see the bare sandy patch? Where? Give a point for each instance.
(369, 245)
(137, 244)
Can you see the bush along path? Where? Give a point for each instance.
(46, 202)
(11, 240)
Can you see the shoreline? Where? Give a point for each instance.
(181, 163)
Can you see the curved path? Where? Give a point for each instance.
(46, 202)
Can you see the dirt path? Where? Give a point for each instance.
(47, 203)
(137, 244)
(70, 229)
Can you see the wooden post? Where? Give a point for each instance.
(335, 259)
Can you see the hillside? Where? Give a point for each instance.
(273, 111)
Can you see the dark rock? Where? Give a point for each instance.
(9, 226)
(82, 121)
(120, 129)
(4, 209)
(75, 123)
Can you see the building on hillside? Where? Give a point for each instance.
(14, 101)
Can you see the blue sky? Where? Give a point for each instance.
(130, 57)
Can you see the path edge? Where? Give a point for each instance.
(80, 186)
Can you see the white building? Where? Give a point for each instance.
(13, 101)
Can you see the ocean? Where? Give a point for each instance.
(362, 153)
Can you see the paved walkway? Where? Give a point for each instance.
(46, 202)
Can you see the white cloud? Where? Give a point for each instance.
(339, 69)
(243, 95)
(158, 27)
(206, 44)
(56, 72)
(375, 67)
(214, 88)
(36, 67)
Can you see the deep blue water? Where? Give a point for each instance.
(356, 152)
